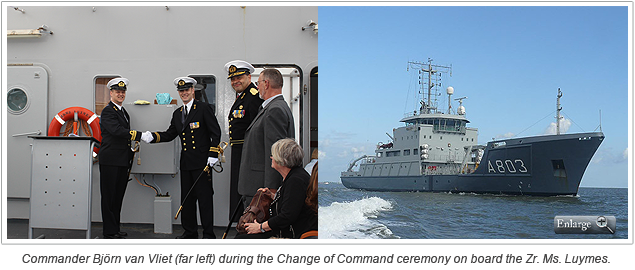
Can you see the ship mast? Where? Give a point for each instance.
(434, 79)
(558, 109)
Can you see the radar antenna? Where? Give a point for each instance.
(433, 72)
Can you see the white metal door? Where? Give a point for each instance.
(27, 99)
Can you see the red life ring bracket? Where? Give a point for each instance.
(82, 113)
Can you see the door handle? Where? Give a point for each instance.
(28, 133)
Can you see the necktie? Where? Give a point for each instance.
(125, 114)
(184, 115)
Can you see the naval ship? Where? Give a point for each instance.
(436, 151)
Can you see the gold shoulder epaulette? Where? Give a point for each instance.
(253, 91)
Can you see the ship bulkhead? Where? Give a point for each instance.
(541, 165)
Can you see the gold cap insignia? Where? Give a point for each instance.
(181, 82)
(232, 69)
(121, 84)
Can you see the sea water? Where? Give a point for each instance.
(357, 214)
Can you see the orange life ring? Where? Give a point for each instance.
(82, 113)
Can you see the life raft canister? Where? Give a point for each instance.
(82, 113)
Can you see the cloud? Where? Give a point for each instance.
(358, 151)
(565, 124)
(610, 156)
(505, 136)
(325, 143)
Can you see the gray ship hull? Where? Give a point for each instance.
(542, 166)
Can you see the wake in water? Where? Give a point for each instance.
(354, 220)
(356, 214)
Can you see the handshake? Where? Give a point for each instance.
(147, 137)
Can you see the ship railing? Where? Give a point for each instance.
(410, 114)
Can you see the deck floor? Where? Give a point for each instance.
(19, 229)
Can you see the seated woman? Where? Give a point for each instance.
(290, 215)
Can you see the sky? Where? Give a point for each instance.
(508, 61)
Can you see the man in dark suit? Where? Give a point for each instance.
(199, 132)
(115, 157)
(242, 113)
(273, 122)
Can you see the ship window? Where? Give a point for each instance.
(17, 101)
(406, 152)
(393, 153)
(414, 151)
(102, 94)
(205, 89)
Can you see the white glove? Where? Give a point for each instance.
(211, 161)
(147, 137)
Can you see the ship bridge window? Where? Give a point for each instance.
(406, 152)
(393, 153)
(449, 125)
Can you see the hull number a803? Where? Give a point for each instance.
(506, 166)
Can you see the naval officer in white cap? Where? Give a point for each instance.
(241, 115)
(199, 135)
(115, 157)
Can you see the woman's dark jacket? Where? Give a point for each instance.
(290, 214)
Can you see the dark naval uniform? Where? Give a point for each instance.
(242, 113)
(199, 137)
(115, 157)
